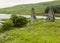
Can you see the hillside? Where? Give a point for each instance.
(39, 32)
(26, 9)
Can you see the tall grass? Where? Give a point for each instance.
(39, 32)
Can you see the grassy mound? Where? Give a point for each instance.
(38, 32)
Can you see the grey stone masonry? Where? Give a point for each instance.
(50, 17)
(33, 17)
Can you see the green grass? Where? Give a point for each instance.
(26, 9)
(38, 32)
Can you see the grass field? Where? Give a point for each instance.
(38, 32)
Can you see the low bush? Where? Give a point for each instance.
(56, 8)
(18, 21)
(7, 25)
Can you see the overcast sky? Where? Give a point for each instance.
(9, 3)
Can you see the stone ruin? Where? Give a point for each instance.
(33, 17)
(50, 17)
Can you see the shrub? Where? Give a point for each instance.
(13, 18)
(56, 8)
(48, 8)
(18, 21)
(7, 25)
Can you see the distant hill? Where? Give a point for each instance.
(26, 9)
